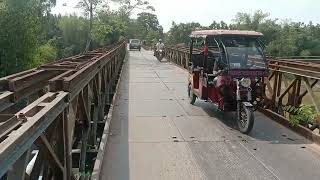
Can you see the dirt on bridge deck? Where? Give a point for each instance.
(156, 135)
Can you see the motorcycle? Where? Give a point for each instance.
(160, 54)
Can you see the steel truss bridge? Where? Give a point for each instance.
(119, 115)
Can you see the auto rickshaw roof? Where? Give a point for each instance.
(204, 33)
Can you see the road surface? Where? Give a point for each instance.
(156, 135)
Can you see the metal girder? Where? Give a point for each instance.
(75, 99)
(43, 142)
(36, 117)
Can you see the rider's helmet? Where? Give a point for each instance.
(160, 40)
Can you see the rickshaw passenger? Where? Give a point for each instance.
(213, 65)
(209, 62)
(217, 68)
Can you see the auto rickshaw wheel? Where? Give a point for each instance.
(191, 95)
(245, 119)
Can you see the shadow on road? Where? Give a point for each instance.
(264, 128)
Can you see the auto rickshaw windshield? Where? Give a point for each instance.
(244, 53)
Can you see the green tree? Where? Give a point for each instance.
(89, 7)
(245, 21)
(148, 28)
(218, 25)
(108, 28)
(127, 6)
(179, 33)
(148, 21)
(74, 34)
(20, 25)
(44, 54)
(281, 38)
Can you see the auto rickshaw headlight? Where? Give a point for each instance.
(245, 82)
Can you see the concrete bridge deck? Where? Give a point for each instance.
(156, 135)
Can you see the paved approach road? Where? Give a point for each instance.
(156, 135)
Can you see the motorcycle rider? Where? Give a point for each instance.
(159, 46)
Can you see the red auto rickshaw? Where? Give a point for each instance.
(227, 68)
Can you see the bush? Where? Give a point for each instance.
(303, 114)
(305, 53)
(44, 54)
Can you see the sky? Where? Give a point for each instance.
(206, 11)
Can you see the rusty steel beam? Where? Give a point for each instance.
(305, 59)
(78, 86)
(22, 85)
(36, 118)
(8, 125)
(6, 100)
(43, 142)
(28, 82)
(102, 146)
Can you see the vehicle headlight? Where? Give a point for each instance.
(245, 82)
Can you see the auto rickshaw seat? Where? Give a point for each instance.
(210, 64)
(197, 60)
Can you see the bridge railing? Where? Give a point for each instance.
(52, 117)
(315, 59)
(291, 82)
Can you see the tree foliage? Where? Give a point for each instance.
(303, 114)
(88, 5)
(127, 6)
(108, 28)
(148, 28)
(282, 38)
(20, 26)
(30, 35)
(74, 34)
(244, 21)
(44, 54)
(179, 33)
